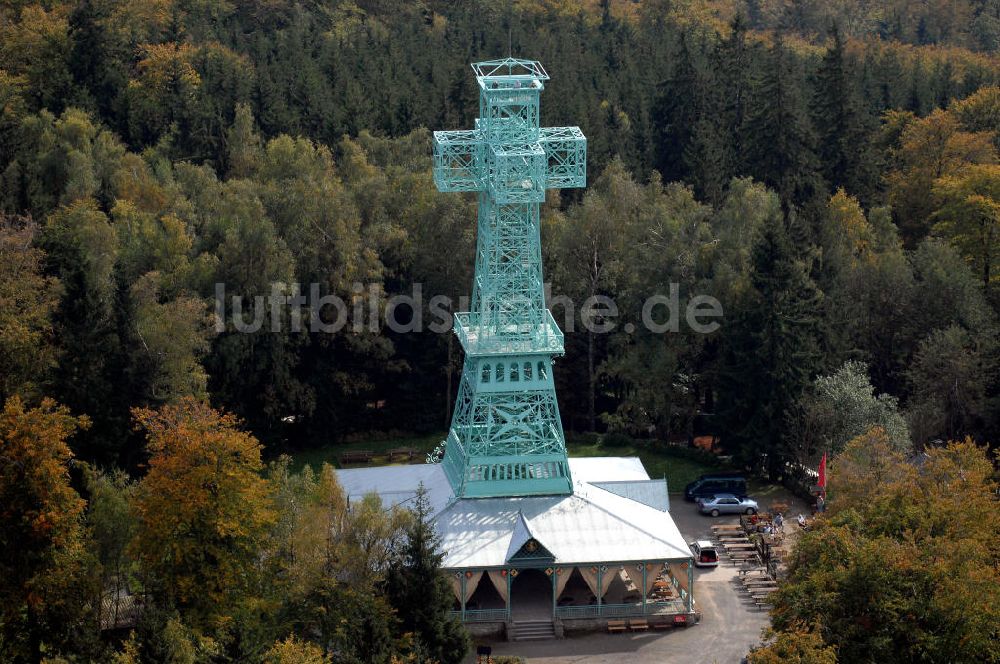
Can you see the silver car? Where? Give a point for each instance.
(727, 503)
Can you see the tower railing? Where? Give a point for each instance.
(520, 339)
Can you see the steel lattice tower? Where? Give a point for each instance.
(506, 438)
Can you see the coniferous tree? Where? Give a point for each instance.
(420, 593)
(733, 64)
(675, 114)
(707, 157)
(770, 354)
(780, 138)
(844, 125)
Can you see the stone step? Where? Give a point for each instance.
(533, 630)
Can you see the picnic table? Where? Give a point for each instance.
(756, 569)
(759, 573)
(738, 546)
(742, 557)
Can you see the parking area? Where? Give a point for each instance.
(730, 622)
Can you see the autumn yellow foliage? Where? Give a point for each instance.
(202, 509)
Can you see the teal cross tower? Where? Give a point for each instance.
(506, 438)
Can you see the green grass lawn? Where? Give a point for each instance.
(318, 456)
(660, 461)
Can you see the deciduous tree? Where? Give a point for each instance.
(969, 215)
(901, 567)
(202, 511)
(842, 406)
(46, 575)
(28, 300)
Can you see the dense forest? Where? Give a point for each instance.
(151, 151)
(828, 171)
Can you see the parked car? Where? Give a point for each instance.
(715, 484)
(705, 554)
(727, 503)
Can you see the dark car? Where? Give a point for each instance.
(714, 484)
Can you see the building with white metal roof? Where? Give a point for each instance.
(613, 535)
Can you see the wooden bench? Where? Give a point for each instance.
(616, 626)
(355, 456)
(402, 454)
(638, 624)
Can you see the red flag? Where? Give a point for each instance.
(821, 483)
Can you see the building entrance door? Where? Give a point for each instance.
(531, 595)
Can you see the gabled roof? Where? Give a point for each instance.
(520, 536)
(524, 545)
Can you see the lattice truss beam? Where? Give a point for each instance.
(458, 160)
(516, 422)
(508, 287)
(565, 157)
(516, 172)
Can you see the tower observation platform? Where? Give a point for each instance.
(506, 438)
